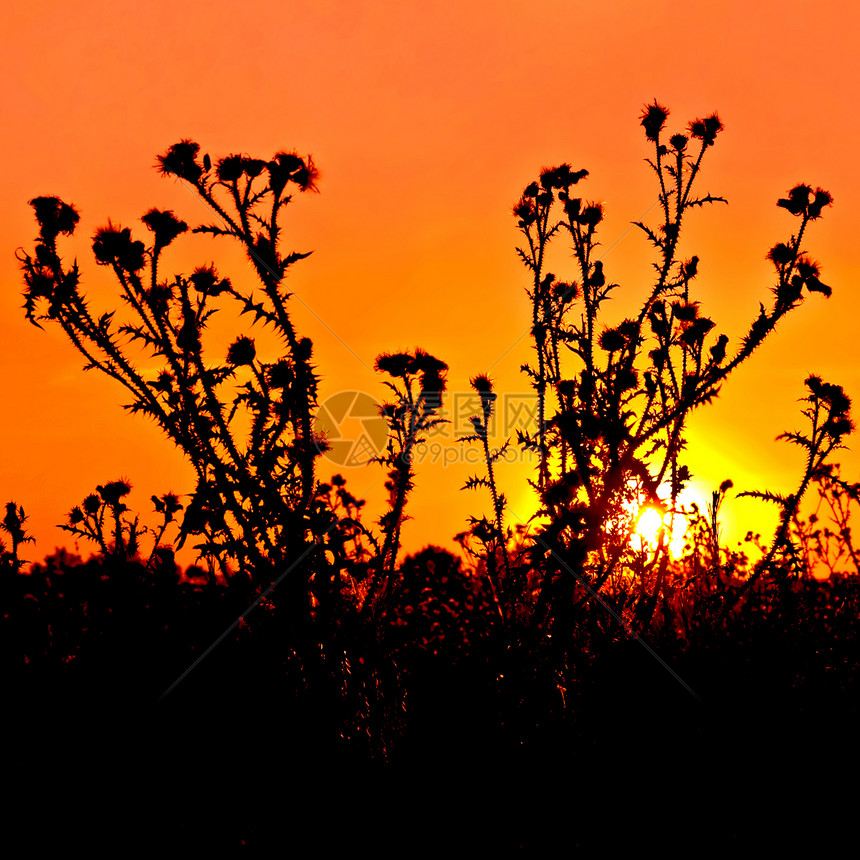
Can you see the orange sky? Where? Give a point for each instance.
(426, 120)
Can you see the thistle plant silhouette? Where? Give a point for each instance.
(492, 535)
(419, 382)
(613, 399)
(13, 525)
(824, 539)
(104, 519)
(361, 639)
(828, 414)
(253, 505)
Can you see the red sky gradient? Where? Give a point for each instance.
(426, 120)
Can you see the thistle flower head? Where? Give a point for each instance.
(780, 254)
(524, 209)
(820, 199)
(180, 161)
(114, 246)
(205, 280)
(306, 176)
(612, 340)
(838, 405)
(113, 491)
(165, 225)
(253, 167)
(807, 267)
(797, 201)
(628, 329)
(482, 384)
(685, 311)
(395, 364)
(652, 119)
(544, 198)
(591, 216)
(282, 166)
(718, 350)
(807, 275)
(482, 529)
(281, 375)
(706, 129)
(230, 168)
(241, 351)
(561, 177)
(304, 349)
(171, 503)
(54, 216)
(432, 382)
(565, 291)
(423, 362)
(678, 142)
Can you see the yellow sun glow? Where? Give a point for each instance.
(654, 526)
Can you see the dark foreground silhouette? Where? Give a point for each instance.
(306, 732)
(564, 688)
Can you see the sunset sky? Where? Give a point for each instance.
(426, 120)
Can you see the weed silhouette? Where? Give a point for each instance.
(301, 642)
(613, 441)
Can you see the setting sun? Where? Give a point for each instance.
(654, 528)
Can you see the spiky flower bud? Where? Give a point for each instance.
(394, 364)
(780, 254)
(653, 119)
(114, 246)
(179, 161)
(706, 129)
(821, 199)
(229, 168)
(591, 216)
(113, 491)
(565, 291)
(54, 217)
(797, 201)
(205, 280)
(612, 340)
(165, 225)
(685, 311)
(304, 349)
(678, 142)
(253, 167)
(524, 209)
(281, 375)
(242, 351)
